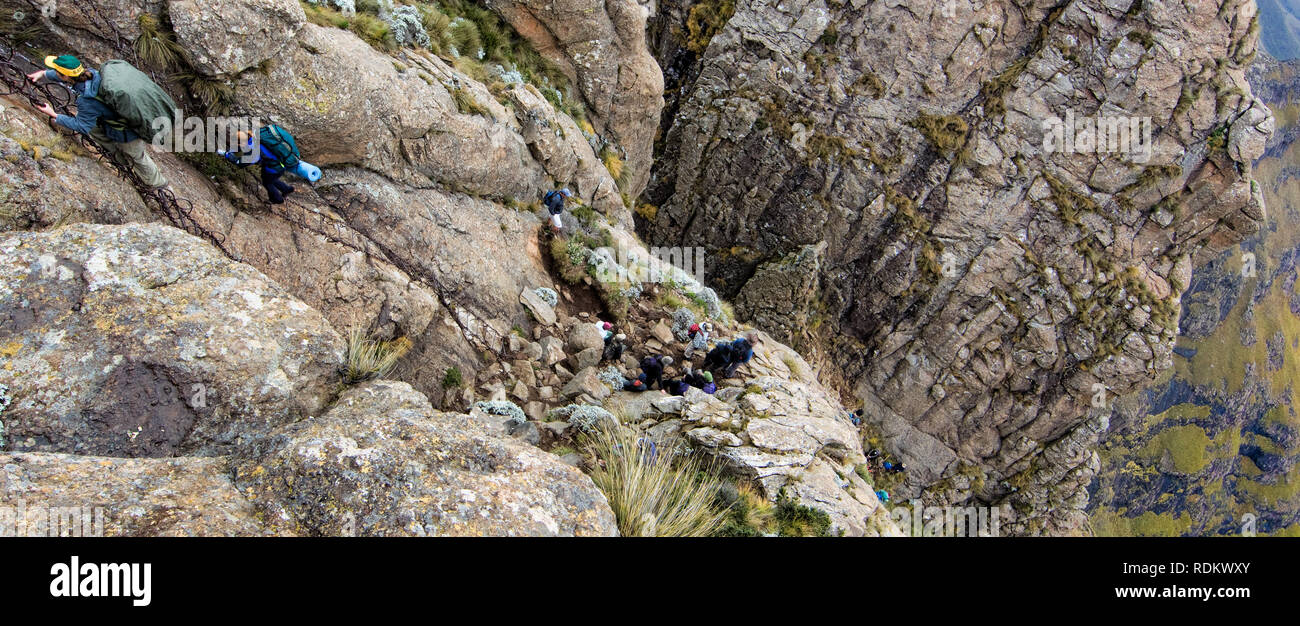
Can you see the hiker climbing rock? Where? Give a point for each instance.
(614, 348)
(674, 386)
(718, 358)
(652, 368)
(276, 151)
(636, 384)
(116, 107)
(742, 350)
(554, 202)
(698, 335)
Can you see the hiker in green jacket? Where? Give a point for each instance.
(97, 119)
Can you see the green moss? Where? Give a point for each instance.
(822, 147)
(1141, 37)
(1187, 446)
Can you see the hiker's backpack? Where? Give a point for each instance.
(554, 207)
(133, 95)
(280, 143)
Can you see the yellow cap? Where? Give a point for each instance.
(67, 65)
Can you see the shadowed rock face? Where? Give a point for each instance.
(142, 341)
(978, 290)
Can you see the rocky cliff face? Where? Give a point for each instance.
(1211, 448)
(979, 290)
(898, 218)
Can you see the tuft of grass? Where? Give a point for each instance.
(705, 20)
(368, 359)
(584, 214)
(452, 379)
(465, 36)
(748, 515)
(797, 520)
(647, 211)
(567, 255)
(438, 25)
(466, 103)
(373, 30)
(792, 364)
(156, 45)
(216, 96)
(946, 132)
(613, 163)
(659, 497)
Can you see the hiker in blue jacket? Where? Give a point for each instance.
(554, 202)
(742, 350)
(95, 119)
(272, 169)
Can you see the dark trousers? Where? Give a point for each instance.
(652, 379)
(275, 188)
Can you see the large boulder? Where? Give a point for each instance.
(584, 336)
(226, 37)
(602, 46)
(142, 340)
(788, 437)
(382, 462)
(68, 495)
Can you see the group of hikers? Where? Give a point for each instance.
(722, 361)
(117, 105)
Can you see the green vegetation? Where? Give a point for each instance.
(613, 163)
(157, 47)
(705, 20)
(467, 35)
(452, 379)
(467, 104)
(868, 83)
(569, 260)
(663, 497)
(368, 359)
(947, 133)
(215, 96)
(749, 514)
